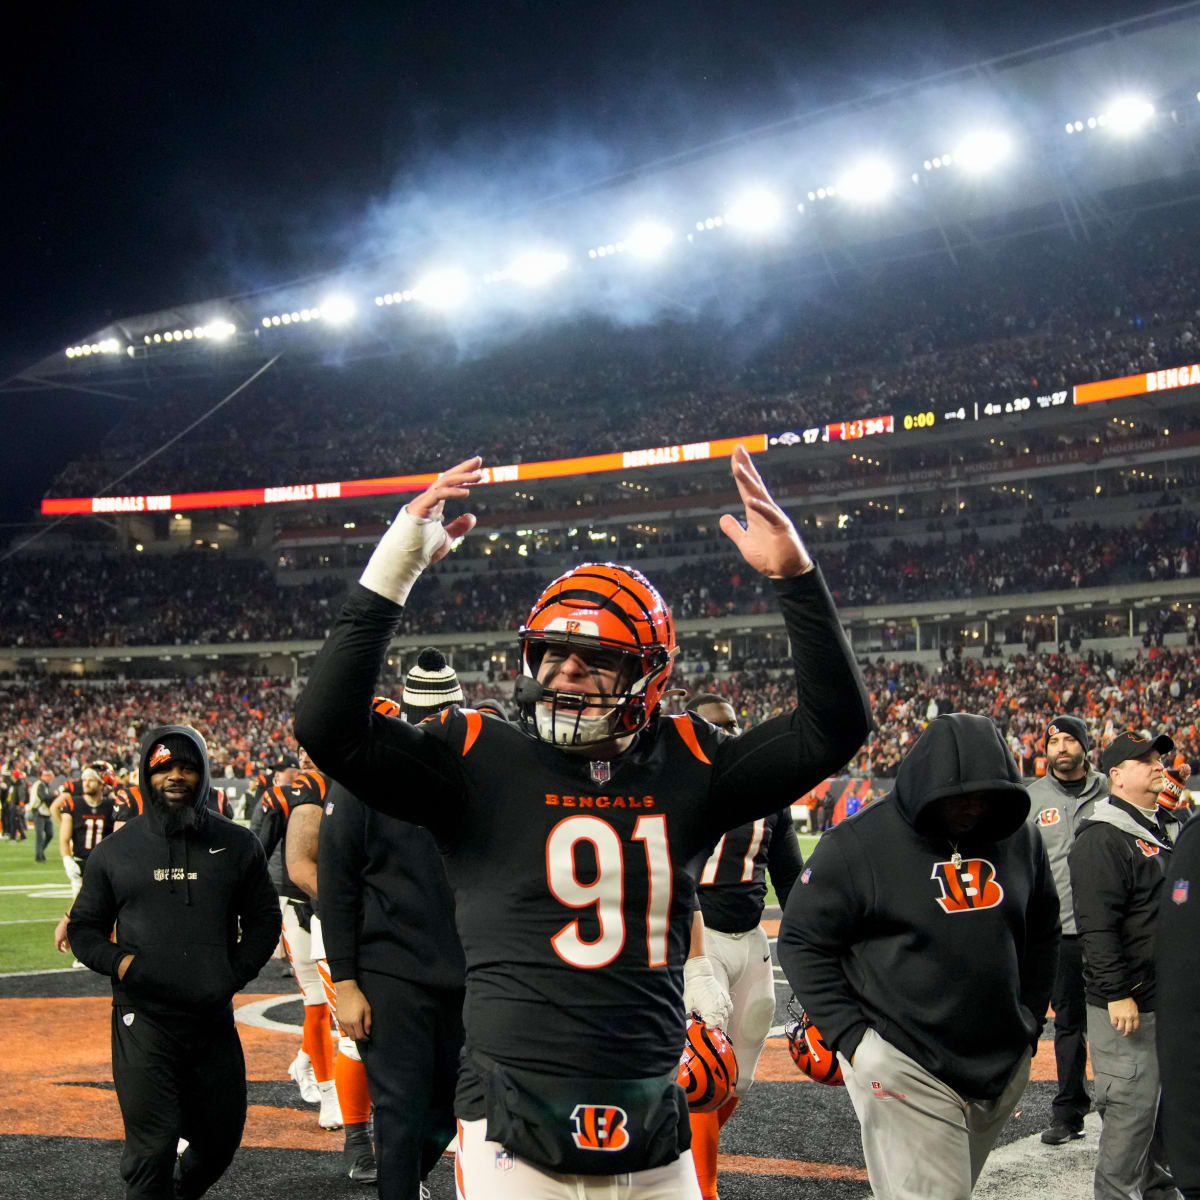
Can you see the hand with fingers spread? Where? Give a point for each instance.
(417, 537)
(768, 541)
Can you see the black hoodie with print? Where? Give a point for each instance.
(952, 963)
(179, 903)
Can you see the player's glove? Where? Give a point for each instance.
(73, 870)
(703, 995)
(403, 553)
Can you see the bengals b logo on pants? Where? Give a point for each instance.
(969, 886)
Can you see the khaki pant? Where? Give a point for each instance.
(921, 1139)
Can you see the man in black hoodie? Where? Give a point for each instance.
(922, 940)
(178, 882)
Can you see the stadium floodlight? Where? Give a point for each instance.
(869, 181)
(649, 240)
(444, 289)
(984, 150)
(219, 331)
(1127, 115)
(756, 210)
(536, 267)
(338, 309)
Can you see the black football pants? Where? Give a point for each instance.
(177, 1077)
(1072, 1103)
(412, 1066)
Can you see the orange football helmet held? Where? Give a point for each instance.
(708, 1070)
(596, 610)
(808, 1049)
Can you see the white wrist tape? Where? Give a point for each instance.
(403, 553)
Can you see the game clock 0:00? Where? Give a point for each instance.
(920, 420)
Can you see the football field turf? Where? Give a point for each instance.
(60, 1128)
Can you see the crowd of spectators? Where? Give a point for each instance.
(1037, 316)
(60, 724)
(198, 597)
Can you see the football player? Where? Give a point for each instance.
(85, 818)
(732, 893)
(568, 837)
(352, 1095)
(312, 1068)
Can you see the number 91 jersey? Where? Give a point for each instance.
(574, 897)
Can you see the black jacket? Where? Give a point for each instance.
(1118, 867)
(953, 966)
(177, 903)
(386, 905)
(1175, 1026)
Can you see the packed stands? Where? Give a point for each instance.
(63, 722)
(1039, 313)
(200, 597)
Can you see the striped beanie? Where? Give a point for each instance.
(429, 687)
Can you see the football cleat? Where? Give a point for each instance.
(301, 1070)
(708, 1070)
(808, 1049)
(330, 1116)
(605, 609)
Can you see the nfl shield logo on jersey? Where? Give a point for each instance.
(504, 1160)
(600, 770)
(1179, 893)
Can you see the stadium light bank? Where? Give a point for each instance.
(756, 211)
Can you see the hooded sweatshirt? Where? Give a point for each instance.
(952, 963)
(178, 903)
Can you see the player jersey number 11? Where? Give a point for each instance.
(607, 891)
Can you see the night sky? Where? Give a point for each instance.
(158, 154)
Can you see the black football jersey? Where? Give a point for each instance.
(89, 826)
(575, 882)
(733, 882)
(277, 805)
(127, 802)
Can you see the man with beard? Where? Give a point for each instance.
(1059, 803)
(179, 884)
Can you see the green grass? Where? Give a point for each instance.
(32, 898)
(34, 895)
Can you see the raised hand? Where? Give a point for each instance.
(768, 541)
(431, 503)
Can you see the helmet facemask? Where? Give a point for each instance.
(613, 622)
(586, 718)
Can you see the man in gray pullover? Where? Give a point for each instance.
(1059, 803)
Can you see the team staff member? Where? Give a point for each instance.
(921, 940)
(40, 800)
(397, 965)
(568, 841)
(1059, 803)
(732, 893)
(178, 883)
(1178, 987)
(1119, 865)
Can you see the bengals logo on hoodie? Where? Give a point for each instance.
(967, 887)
